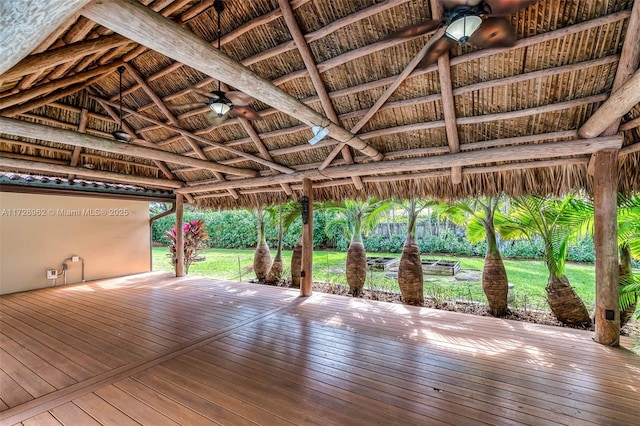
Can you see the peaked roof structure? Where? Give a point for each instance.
(518, 119)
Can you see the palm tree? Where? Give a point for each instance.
(352, 217)
(557, 223)
(478, 217)
(262, 256)
(275, 272)
(629, 247)
(410, 276)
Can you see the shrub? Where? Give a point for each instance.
(195, 240)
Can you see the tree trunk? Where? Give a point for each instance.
(356, 268)
(296, 264)
(262, 261)
(625, 271)
(275, 272)
(410, 277)
(495, 283)
(565, 304)
(262, 257)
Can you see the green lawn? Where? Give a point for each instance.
(528, 276)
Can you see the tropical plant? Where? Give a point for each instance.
(351, 218)
(410, 275)
(195, 239)
(557, 223)
(478, 216)
(262, 256)
(629, 248)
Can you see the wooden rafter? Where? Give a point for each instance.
(23, 26)
(138, 23)
(526, 152)
(82, 128)
(527, 112)
(41, 166)
(383, 98)
(245, 155)
(53, 57)
(37, 131)
(626, 85)
(172, 119)
(316, 80)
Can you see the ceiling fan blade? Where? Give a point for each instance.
(203, 92)
(451, 4)
(437, 48)
(494, 32)
(238, 98)
(215, 120)
(416, 30)
(183, 107)
(507, 7)
(244, 112)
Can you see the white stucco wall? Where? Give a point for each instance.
(38, 232)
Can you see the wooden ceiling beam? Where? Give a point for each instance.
(23, 26)
(385, 95)
(316, 79)
(626, 86)
(164, 168)
(77, 150)
(140, 24)
(448, 102)
(41, 166)
(491, 155)
(60, 55)
(36, 131)
(218, 145)
(429, 125)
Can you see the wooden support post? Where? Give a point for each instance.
(607, 315)
(179, 236)
(306, 278)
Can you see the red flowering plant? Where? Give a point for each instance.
(195, 240)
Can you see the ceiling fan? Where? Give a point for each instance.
(483, 23)
(222, 104)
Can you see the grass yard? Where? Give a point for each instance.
(528, 276)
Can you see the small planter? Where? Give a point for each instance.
(382, 263)
(440, 267)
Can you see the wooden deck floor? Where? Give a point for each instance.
(156, 350)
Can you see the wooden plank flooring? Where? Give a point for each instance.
(157, 350)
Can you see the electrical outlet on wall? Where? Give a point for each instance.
(52, 274)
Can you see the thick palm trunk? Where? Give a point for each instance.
(410, 277)
(296, 264)
(275, 272)
(356, 270)
(565, 303)
(262, 256)
(625, 271)
(494, 276)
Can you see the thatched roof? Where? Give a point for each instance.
(477, 122)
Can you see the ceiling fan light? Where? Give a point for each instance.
(318, 134)
(220, 108)
(462, 28)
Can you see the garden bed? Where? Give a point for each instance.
(440, 267)
(382, 263)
